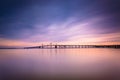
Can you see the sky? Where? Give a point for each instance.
(33, 22)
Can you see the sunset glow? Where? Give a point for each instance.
(31, 23)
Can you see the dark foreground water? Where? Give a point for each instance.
(60, 64)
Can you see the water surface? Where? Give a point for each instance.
(69, 63)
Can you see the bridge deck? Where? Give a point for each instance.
(74, 46)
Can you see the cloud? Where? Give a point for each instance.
(29, 22)
(70, 32)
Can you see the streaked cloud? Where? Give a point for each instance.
(29, 23)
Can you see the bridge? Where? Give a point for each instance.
(72, 46)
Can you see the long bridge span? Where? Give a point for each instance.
(72, 46)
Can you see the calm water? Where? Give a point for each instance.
(60, 63)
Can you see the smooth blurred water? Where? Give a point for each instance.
(60, 62)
